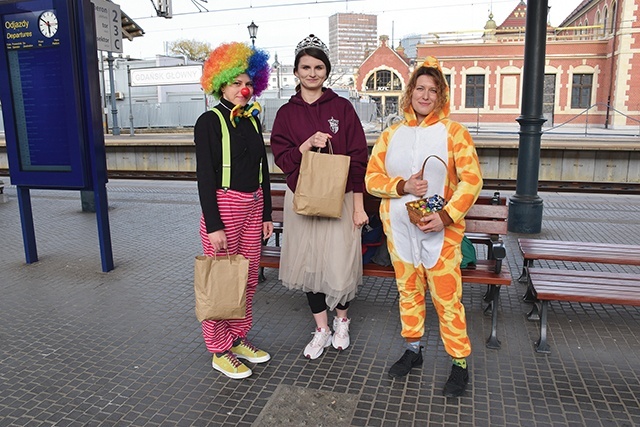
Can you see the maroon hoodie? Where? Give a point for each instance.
(297, 120)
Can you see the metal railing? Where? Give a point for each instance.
(589, 129)
(148, 115)
(585, 113)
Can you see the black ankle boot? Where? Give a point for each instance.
(457, 382)
(409, 360)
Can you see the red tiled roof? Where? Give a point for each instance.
(516, 19)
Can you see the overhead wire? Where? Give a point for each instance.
(200, 7)
(270, 5)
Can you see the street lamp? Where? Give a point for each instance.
(253, 32)
(276, 65)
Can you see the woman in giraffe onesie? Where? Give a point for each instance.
(427, 255)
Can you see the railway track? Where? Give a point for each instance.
(489, 183)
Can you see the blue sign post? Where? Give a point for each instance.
(51, 107)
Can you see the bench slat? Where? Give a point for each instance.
(574, 256)
(591, 251)
(580, 288)
(487, 275)
(488, 227)
(270, 261)
(568, 250)
(488, 212)
(585, 286)
(532, 243)
(483, 273)
(372, 203)
(596, 297)
(533, 249)
(581, 275)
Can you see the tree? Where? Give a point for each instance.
(337, 77)
(193, 49)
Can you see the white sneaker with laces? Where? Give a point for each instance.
(340, 338)
(321, 340)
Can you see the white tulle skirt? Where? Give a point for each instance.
(321, 254)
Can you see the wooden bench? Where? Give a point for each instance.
(486, 224)
(551, 284)
(559, 250)
(578, 286)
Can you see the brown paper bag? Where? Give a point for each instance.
(220, 285)
(321, 184)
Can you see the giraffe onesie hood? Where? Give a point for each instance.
(427, 259)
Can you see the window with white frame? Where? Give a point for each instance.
(581, 87)
(474, 91)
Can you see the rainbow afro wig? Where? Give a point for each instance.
(228, 61)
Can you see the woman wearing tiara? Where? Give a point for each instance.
(321, 256)
(235, 199)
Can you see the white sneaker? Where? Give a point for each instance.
(340, 338)
(321, 340)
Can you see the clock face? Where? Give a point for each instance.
(48, 24)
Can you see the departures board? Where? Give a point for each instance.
(44, 100)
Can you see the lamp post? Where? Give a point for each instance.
(115, 130)
(276, 65)
(526, 206)
(253, 32)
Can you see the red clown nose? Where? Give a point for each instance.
(245, 92)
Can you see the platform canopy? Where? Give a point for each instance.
(129, 27)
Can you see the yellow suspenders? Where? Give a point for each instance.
(226, 150)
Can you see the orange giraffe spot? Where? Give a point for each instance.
(456, 346)
(399, 267)
(410, 320)
(467, 199)
(458, 323)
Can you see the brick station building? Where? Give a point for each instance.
(592, 59)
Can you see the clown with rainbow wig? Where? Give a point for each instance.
(226, 63)
(233, 187)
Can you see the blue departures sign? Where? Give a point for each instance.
(51, 107)
(42, 101)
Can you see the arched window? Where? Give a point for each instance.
(384, 80)
(612, 26)
(605, 20)
(586, 24)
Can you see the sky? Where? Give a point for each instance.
(283, 23)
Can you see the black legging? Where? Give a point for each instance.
(318, 304)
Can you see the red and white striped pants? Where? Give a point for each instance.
(241, 214)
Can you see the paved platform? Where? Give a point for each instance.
(79, 347)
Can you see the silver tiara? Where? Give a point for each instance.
(312, 41)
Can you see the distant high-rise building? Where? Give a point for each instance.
(410, 44)
(352, 36)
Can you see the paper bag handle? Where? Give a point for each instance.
(330, 147)
(425, 164)
(215, 257)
